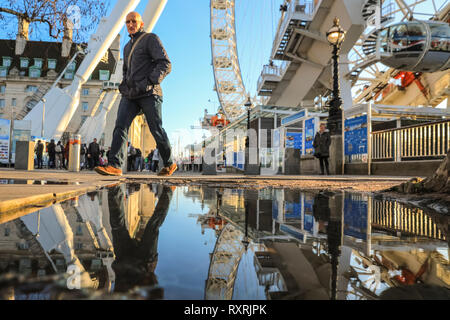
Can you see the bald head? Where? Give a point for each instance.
(134, 22)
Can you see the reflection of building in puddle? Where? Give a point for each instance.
(338, 240)
(140, 207)
(72, 236)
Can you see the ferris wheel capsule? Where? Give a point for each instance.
(417, 46)
(221, 4)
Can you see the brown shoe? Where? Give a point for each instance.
(168, 171)
(108, 171)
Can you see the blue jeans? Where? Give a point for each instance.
(128, 110)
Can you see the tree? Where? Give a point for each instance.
(56, 17)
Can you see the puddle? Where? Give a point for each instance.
(40, 182)
(193, 242)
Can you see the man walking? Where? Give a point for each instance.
(321, 144)
(93, 154)
(146, 64)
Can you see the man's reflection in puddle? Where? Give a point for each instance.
(136, 260)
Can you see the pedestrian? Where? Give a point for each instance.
(138, 161)
(83, 157)
(146, 64)
(66, 155)
(93, 154)
(51, 154)
(39, 150)
(131, 156)
(321, 145)
(155, 160)
(59, 150)
(148, 161)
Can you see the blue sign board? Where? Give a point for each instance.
(293, 117)
(355, 135)
(294, 140)
(310, 132)
(292, 210)
(355, 218)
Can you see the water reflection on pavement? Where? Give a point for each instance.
(152, 241)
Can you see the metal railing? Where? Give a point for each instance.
(274, 71)
(431, 140)
(304, 6)
(413, 221)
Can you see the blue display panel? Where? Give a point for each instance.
(355, 135)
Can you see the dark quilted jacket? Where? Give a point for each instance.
(149, 66)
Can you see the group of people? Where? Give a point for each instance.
(58, 155)
(92, 156)
(137, 162)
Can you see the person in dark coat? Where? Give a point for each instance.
(66, 155)
(51, 154)
(39, 151)
(93, 154)
(321, 145)
(59, 149)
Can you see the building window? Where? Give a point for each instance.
(24, 62)
(7, 231)
(2, 103)
(23, 246)
(51, 64)
(38, 63)
(85, 92)
(3, 71)
(7, 61)
(85, 106)
(68, 75)
(13, 102)
(78, 246)
(31, 88)
(72, 66)
(2, 88)
(104, 75)
(34, 72)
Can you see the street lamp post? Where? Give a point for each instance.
(248, 105)
(43, 117)
(250, 169)
(335, 37)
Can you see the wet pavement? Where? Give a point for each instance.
(155, 241)
(40, 182)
